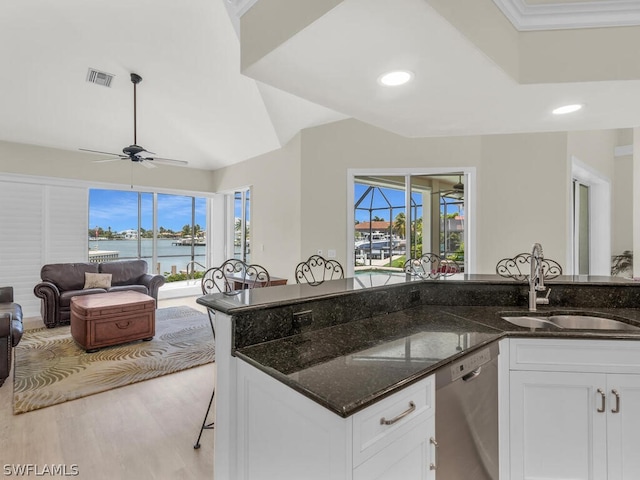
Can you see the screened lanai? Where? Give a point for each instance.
(394, 222)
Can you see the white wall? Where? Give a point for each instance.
(275, 206)
(521, 181)
(522, 195)
(622, 205)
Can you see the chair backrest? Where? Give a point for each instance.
(316, 270)
(234, 275)
(519, 267)
(431, 265)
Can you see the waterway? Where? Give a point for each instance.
(169, 255)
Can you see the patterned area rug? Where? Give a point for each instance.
(50, 368)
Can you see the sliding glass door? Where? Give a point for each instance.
(402, 217)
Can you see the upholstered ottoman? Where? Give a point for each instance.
(106, 319)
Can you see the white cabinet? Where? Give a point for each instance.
(572, 415)
(623, 427)
(556, 432)
(409, 458)
(283, 434)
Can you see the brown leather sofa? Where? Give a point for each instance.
(61, 281)
(10, 330)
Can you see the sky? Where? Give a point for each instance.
(119, 210)
(391, 196)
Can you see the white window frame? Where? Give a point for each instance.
(469, 174)
(599, 219)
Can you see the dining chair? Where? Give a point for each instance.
(316, 270)
(431, 265)
(519, 267)
(228, 278)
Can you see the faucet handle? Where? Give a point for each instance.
(544, 300)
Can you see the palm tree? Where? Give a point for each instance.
(399, 224)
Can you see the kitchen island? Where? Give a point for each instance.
(347, 346)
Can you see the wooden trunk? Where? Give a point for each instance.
(105, 319)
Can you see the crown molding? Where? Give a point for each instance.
(611, 13)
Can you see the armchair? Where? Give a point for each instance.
(10, 330)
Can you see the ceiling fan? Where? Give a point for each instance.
(455, 191)
(135, 152)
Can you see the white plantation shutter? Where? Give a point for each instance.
(66, 219)
(39, 224)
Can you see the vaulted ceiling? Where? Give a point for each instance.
(480, 66)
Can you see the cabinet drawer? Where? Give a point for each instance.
(619, 356)
(402, 411)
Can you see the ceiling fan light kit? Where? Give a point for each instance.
(135, 152)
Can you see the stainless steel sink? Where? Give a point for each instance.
(586, 322)
(570, 322)
(530, 322)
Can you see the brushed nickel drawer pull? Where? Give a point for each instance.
(603, 398)
(616, 409)
(412, 407)
(434, 465)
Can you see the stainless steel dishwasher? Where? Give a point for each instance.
(467, 417)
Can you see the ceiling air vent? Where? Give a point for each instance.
(99, 78)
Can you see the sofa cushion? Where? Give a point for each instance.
(67, 276)
(65, 297)
(126, 288)
(97, 280)
(125, 272)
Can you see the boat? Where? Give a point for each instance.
(379, 241)
(188, 241)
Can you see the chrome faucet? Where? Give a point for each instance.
(536, 279)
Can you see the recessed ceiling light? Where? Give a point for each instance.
(567, 109)
(393, 79)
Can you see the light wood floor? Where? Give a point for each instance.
(141, 431)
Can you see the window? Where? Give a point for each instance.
(168, 231)
(397, 217)
(242, 222)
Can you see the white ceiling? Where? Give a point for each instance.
(195, 105)
(457, 89)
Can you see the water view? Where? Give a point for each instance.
(171, 257)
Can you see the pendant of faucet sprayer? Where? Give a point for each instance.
(536, 278)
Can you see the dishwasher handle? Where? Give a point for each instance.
(472, 375)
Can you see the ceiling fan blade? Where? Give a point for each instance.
(109, 160)
(98, 151)
(146, 163)
(169, 161)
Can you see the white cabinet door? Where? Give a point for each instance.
(623, 427)
(410, 457)
(556, 429)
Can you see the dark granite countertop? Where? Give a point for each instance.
(247, 300)
(349, 366)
